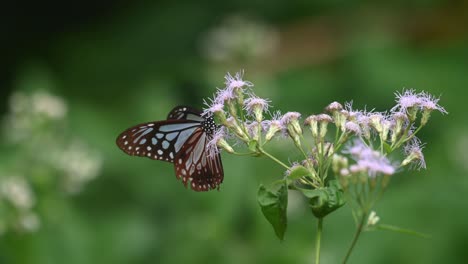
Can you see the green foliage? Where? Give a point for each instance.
(297, 172)
(325, 200)
(274, 204)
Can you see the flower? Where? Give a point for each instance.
(290, 120)
(223, 96)
(273, 126)
(18, 192)
(368, 160)
(253, 128)
(236, 81)
(429, 102)
(352, 127)
(407, 99)
(333, 107)
(373, 219)
(413, 151)
(51, 106)
(255, 106)
(312, 122)
(218, 140)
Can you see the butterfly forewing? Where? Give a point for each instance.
(156, 140)
(181, 139)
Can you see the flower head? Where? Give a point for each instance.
(255, 106)
(273, 126)
(368, 160)
(236, 81)
(413, 151)
(352, 127)
(407, 99)
(218, 141)
(430, 102)
(333, 107)
(290, 120)
(224, 95)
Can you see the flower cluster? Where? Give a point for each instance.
(358, 147)
(35, 124)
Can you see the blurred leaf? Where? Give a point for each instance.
(298, 172)
(325, 200)
(274, 205)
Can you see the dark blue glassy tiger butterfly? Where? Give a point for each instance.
(181, 139)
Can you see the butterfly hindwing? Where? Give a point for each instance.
(196, 167)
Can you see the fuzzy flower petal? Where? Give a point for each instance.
(236, 81)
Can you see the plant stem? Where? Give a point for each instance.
(261, 150)
(356, 236)
(317, 242)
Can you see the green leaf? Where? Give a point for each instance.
(325, 200)
(274, 204)
(297, 172)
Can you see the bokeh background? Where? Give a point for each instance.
(74, 75)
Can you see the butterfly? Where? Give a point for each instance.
(182, 139)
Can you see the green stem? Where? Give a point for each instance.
(318, 240)
(356, 236)
(273, 158)
(402, 230)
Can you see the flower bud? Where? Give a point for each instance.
(334, 107)
(275, 127)
(400, 120)
(376, 122)
(323, 120)
(373, 219)
(386, 126)
(222, 143)
(311, 121)
(291, 121)
(232, 124)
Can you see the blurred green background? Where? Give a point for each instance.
(113, 64)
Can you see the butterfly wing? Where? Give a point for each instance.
(194, 165)
(157, 140)
(185, 113)
(181, 140)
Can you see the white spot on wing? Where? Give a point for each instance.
(165, 144)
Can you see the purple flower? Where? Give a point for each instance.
(252, 102)
(429, 102)
(224, 95)
(255, 106)
(335, 106)
(218, 140)
(236, 81)
(413, 151)
(290, 117)
(368, 160)
(352, 127)
(406, 100)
